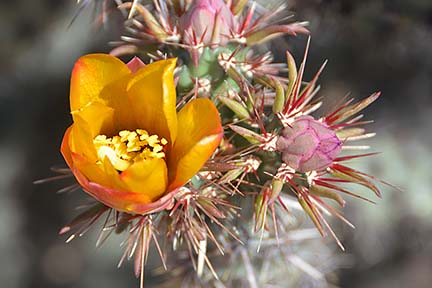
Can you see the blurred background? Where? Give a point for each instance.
(371, 45)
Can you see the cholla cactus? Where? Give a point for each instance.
(194, 25)
(181, 149)
(309, 149)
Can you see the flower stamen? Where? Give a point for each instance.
(129, 147)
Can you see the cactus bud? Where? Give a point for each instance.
(206, 17)
(308, 145)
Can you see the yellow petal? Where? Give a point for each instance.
(92, 171)
(115, 96)
(65, 150)
(80, 164)
(89, 121)
(81, 142)
(152, 95)
(96, 117)
(91, 74)
(113, 175)
(199, 134)
(148, 177)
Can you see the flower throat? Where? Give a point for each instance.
(129, 147)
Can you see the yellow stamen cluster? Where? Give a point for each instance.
(129, 147)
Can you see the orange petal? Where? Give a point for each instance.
(65, 150)
(121, 200)
(92, 171)
(79, 162)
(131, 191)
(96, 117)
(115, 96)
(91, 74)
(90, 121)
(107, 186)
(152, 95)
(199, 134)
(124, 201)
(81, 142)
(148, 177)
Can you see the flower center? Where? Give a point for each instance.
(129, 147)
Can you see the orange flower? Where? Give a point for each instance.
(128, 147)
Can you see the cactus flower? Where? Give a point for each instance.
(128, 147)
(308, 144)
(211, 21)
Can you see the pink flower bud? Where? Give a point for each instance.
(308, 145)
(206, 18)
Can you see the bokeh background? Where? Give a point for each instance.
(371, 45)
